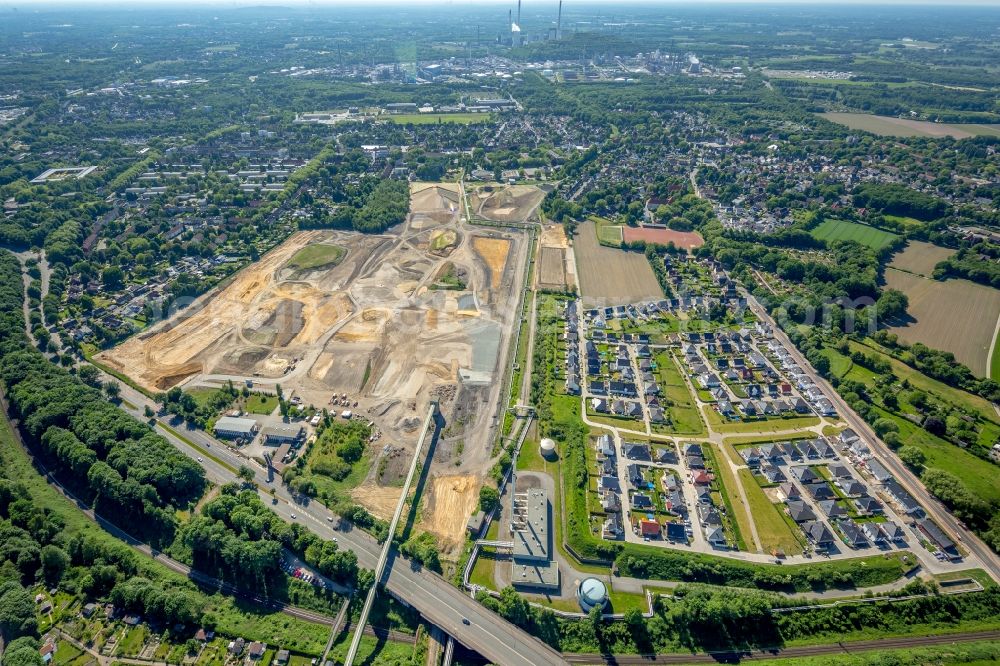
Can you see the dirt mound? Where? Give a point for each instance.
(494, 252)
(380, 500)
(450, 502)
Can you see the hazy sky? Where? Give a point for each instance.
(26, 4)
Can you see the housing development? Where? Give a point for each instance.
(542, 334)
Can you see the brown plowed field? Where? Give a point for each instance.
(552, 269)
(920, 258)
(955, 315)
(609, 276)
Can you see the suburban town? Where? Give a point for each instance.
(533, 334)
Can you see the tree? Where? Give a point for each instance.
(246, 474)
(112, 277)
(934, 426)
(489, 498)
(913, 457)
(113, 390)
(17, 612)
(513, 607)
(22, 652)
(55, 561)
(89, 375)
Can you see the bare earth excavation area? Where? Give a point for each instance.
(395, 320)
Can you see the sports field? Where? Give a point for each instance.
(888, 126)
(684, 239)
(834, 230)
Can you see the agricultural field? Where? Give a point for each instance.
(920, 258)
(834, 230)
(611, 276)
(887, 126)
(958, 316)
(552, 272)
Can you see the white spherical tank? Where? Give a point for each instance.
(548, 448)
(592, 593)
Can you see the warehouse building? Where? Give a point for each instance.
(231, 427)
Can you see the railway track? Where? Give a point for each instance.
(736, 656)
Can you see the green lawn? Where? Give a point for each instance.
(202, 396)
(434, 118)
(261, 404)
(833, 230)
(978, 474)
(133, 641)
(901, 219)
(682, 410)
(68, 654)
(729, 489)
(995, 361)
(769, 425)
(774, 532)
(320, 255)
(608, 233)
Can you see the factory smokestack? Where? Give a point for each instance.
(559, 22)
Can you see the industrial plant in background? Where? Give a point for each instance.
(518, 36)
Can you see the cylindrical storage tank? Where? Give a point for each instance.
(592, 593)
(548, 448)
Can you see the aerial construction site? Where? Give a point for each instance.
(423, 312)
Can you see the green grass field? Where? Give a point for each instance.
(261, 404)
(682, 409)
(608, 233)
(320, 255)
(908, 221)
(736, 509)
(770, 425)
(433, 118)
(995, 360)
(834, 230)
(978, 474)
(774, 532)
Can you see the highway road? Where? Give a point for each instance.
(987, 559)
(437, 600)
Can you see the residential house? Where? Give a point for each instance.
(800, 512)
(853, 535)
(612, 528)
(868, 505)
(818, 534)
(677, 533)
(906, 501)
(649, 529)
